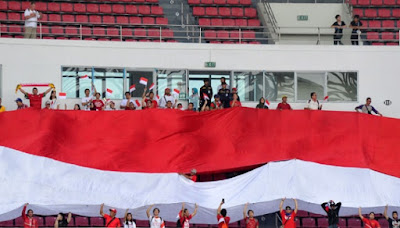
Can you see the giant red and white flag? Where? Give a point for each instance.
(69, 161)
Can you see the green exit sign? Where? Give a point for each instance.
(302, 17)
(210, 64)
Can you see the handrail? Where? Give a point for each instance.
(271, 16)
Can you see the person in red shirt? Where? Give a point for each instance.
(369, 222)
(111, 220)
(192, 176)
(249, 219)
(284, 105)
(235, 101)
(288, 215)
(223, 220)
(29, 221)
(185, 216)
(35, 99)
(98, 103)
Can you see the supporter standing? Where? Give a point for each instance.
(332, 210)
(217, 104)
(224, 95)
(261, 104)
(20, 104)
(149, 97)
(87, 100)
(313, 103)
(192, 176)
(110, 106)
(155, 220)
(131, 106)
(369, 222)
(194, 98)
(223, 80)
(2, 108)
(98, 103)
(339, 25)
(367, 108)
(223, 220)
(31, 16)
(284, 105)
(61, 221)
(128, 220)
(29, 220)
(288, 215)
(191, 107)
(53, 100)
(235, 101)
(185, 216)
(125, 102)
(179, 106)
(77, 107)
(249, 219)
(111, 220)
(393, 222)
(206, 89)
(35, 99)
(169, 105)
(356, 25)
(167, 98)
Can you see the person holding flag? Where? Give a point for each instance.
(35, 99)
(128, 220)
(224, 95)
(249, 219)
(393, 222)
(111, 220)
(332, 210)
(313, 103)
(284, 105)
(369, 222)
(288, 215)
(29, 220)
(262, 104)
(206, 89)
(98, 103)
(223, 220)
(88, 98)
(155, 220)
(167, 97)
(185, 216)
(146, 97)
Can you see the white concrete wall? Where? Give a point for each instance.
(40, 61)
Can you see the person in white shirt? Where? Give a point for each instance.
(125, 103)
(313, 104)
(222, 81)
(155, 220)
(87, 99)
(110, 106)
(167, 97)
(31, 18)
(53, 100)
(128, 220)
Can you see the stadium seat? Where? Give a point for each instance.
(131, 9)
(152, 1)
(385, 13)
(167, 33)
(250, 12)
(198, 11)
(86, 31)
(53, 6)
(237, 12)
(148, 20)
(234, 34)
(40, 221)
(232, 2)
(353, 222)
(118, 9)
(122, 20)
(81, 221)
(105, 8)
(387, 36)
(359, 12)
(253, 22)
(228, 22)
(92, 8)
(3, 16)
(376, 2)
(370, 13)
(206, 2)
(99, 31)
(161, 21)
(140, 32)
(108, 19)
(9, 223)
(157, 10)
(71, 30)
(80, 8)
(143, 9)
(142, 223)
(153, 32)
(210, 34)
(374, 24)
(223, 34)
(194, 2)
(383, 222)
(204, 22)
(68, 18)
(45, 30)
(217, 22)
(322, 222)
(389, 2)
(363, 2)
(241, 22)
(135, 20)
(214, 42)
(112, 31)
(224, 11)
(14, 16)
(54, 17)
(97, 221)
(42, 6)
(388, 24)
(391, 44)
(13, 5)
(82, 19)
(220, 2)
(302, 214)
(308, 222)
(127, 32)
(372, 36)
(297, 222)
(95, 19)
(49, 220)
(3, 5)
(396, 13)
(211, 11)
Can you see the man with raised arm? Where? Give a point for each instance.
(249, 219)
(332, 210)
(61, 221)
(288, 215)
(35, 99)
(393, 222)
(223, 220)
(185, 216)
(111, 220)
(369, 222)
(155, 220)
(29, 221)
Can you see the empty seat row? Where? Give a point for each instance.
(234, 34)
(224, 12)
(92, 19)
(380, 13)
(233, 42)
(390, 24)
(375, 2)
(220, 2)
(98, 8)
(388, 36)
(218, 22)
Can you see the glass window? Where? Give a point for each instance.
(73, 84)
(196, 79)
(278, 84)
(173, 79)
(249, 85)
(308, 83)
(109, 78)
(342, 86)
(133, 77)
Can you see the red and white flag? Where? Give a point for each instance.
(176, 92)
(205, 97)
(109, 92)
(132, 88)
(266, 103)
(143, 81)
(62, 95)
(84, 77)
(326, 98)
(137, 102)
(151, 86)
(157, 99)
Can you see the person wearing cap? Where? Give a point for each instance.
(125, 102)
(20, 104)
(111, 220)
(332, 210)
(223, 80)
(288, 215)
(262, 104)
(224, 95)
(206, 89)
(249, 219)
(155, 220)
(185, 216)
(393, 222)
(35, 99)
(369, 222)
(313, 103)
(192, 176)
(29, 220)
(2, 108)
(284, 105)
(217, 104)
(167, 97)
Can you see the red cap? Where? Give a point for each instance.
(113, 210)
(166, 89)
(234, 89)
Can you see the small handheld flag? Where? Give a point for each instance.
(132, 88)
(143, 81)
(326, 98)
(137, 103)
(205, 96)
(84, 77)
(109, 92)
(151, 86)
(266, 102)
(176, 92)
(62, 95)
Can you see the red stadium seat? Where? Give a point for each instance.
(145, 10)
(383, 222)
(387, 35)
(216, 22)
(12, 5)
(3, 5)
(112, 31)
(44, 17)
(241, 22)
(135, 20)
(153, 32)
(198, 11)
(223, 34)
(210, 34)
(65, 7)
(390, 44)
(384, 13)
(108, 19)
(374, 24)
(82, 18)
(224, 11)
(353, 222)
(118, 9)
(377, 44)
(48, 38)
(204, 22)
(137, 0)
(397, 36)
(363, 2)
(167, 33)
(40, 221)
(308, 222)
(234, 34)
(14, 16)
(140, 32)
(99, 31)
(211, 11)
(157, 10)
(3, 16)
(220, 2)
(372, 36)
(62, 38)
(228, 22)
(80, 8)
(92, 8)
(207, 2)
(127, 32)
(131, 9)
(297, 222)
(302, 214)
(105, 8)
(15, 29)
(237, 12)
(370, 13)
(71, 30)
(322, 222)
(253, 22)
(249, 35)
(8, 223)
(54, 7)
(250, 12)
(57, 30)
(245, 2)
(122, 20)
(232, 2)
(396, 13)
(389, 2)
(388, 24)
(359, 12)
(194, 2)
(54, 17)
(95, 19)
(68, 18)
(86, 31)
(148, 20)
(97, 221)
(161, 21)
(376, 2)
(214, 42)
(81, 221)
(151, 1)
